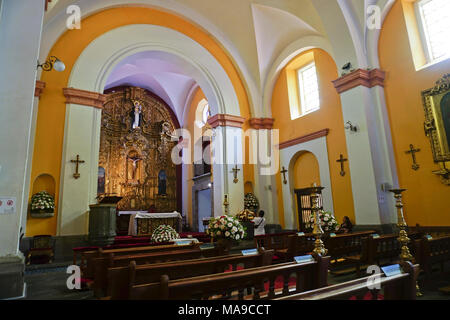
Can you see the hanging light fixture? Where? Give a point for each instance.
(52, 63)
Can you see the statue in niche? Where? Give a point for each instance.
(101, 180)
(162, 183)
(133, 160)
(136, 115)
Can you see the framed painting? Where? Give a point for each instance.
(436, 103)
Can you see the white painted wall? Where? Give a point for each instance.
(318, 147)
(20, 33)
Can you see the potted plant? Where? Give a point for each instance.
(226, 229)
(164, 233)
(42, 205)
(328, 222)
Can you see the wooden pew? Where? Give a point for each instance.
(87, 267)
(101, 265)
(399, 287)
(432, 251)
(121, 278)
(380, 250)
(308, 276)
(346, 244)
(275, 241)
(340, 246)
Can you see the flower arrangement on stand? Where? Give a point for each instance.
(251, 202)
(164, 233)
(42, 205)
(226, 229)
(328, 222)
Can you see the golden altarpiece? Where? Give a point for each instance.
(135, 151)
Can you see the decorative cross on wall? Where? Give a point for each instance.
(284, 171)
(342, 160)
(76, 175)
(412, 151)
(235, 171)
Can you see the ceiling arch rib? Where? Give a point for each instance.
(275, 29)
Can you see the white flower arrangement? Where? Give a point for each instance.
(164, 233)
(226, 227)
(42, 201)
(251, 202)
(327, 222)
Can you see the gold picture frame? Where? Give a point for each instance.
(436, 102)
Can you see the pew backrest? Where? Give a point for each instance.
(431, 251)
(308, 276)
(121, 278)
(274, 241)
(398, 287)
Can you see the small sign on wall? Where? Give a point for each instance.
(8, 205)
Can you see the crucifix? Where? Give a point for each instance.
(342, 160)
(235, 171)
(135, 161)
(76, 175)
(284, 171)
(412, 151)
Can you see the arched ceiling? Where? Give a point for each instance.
(155, 72)
(256, 34)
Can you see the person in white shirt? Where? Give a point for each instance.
(259, 223)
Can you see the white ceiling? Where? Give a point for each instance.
(155, 72)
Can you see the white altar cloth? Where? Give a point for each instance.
(132, 227)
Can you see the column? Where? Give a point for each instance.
(20, 35)
(81, 137)
(266, 168)
(370, 151)
(227, 154)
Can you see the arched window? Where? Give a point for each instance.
(434, 22)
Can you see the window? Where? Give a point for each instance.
(308, 89)
(206, 113)
(434, 17)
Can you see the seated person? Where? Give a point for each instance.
(260, 223)
(346, 226)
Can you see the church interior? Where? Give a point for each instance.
(224, 150)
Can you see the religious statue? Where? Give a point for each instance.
(134, 166)
(136, 115)
(162, 183)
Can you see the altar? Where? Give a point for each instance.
(144, 223)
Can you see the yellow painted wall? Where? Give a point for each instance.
(426, 201)
(306, 171)
(51, 114)
(329, 116)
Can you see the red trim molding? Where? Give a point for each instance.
(226, 120)
(306, 138)
(261, 123)
(360, 77)
(85, 98)
(46, 4)
(39, 87)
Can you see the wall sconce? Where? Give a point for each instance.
(351, 127)
(52, 63)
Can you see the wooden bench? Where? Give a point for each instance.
(275, 241)
(87, 267)
(432, 251)
(340, 246)
(398, 287)
(121, 278)
(308, 276)
(101, 265)
(379, 250)
(346, 244)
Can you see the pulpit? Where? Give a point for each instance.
(102, 221)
